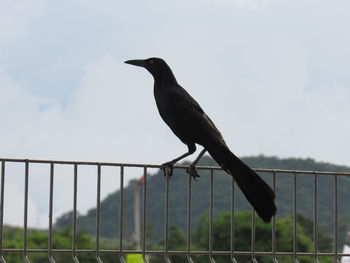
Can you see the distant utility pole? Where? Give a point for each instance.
(137, 212)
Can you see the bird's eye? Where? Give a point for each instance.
(151, 62)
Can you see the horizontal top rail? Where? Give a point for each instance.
(140, 165)
(176, 252)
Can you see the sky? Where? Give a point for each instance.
(272, 74)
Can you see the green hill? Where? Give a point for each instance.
(222, 192)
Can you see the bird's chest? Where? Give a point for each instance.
(168, 105)
(172, 109)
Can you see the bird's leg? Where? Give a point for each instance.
(192, 170)
(170, 165)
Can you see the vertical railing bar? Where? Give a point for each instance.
(253, 237)
(315, 218)
(98, 211)
(295, 259)
(2, 260)
(232, 243)
(166, 230)
(25, 221)
(189, 218)
(51, 259)
(335, 236)
(75, 193)
(211, 201)
(121, 215)
(144, 217)
(274, 259)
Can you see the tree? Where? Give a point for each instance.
(284, 242)
(177, 241)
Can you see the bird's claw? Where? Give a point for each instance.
(192, 170)
(168, 168)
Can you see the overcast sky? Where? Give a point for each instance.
(272, 74)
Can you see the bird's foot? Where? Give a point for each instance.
(168, 168)
(192, 170)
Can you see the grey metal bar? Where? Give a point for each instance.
(335, 234)
(25, 221)
(315, 237)
(144, 216)
(253, 237)
(166, 229)
(98, 211)
(50, 257)
(121, 215)
(75, 193)
(232, 242)
(2, 259)
(175, 166)
(189, 219)
(274, 259)
(172, 252)
(295, 259)
(211, 201)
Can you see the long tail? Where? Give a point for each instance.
(256, 190)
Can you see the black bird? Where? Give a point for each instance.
(192, 126)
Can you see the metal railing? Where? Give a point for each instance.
(166, 253)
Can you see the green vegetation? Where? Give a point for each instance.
(222, 239)
(38, 239)
(177, 241)
(263, 233)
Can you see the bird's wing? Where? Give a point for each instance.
(189, 116)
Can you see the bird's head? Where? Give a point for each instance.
(156, 66)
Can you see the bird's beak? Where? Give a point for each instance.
(136, 62)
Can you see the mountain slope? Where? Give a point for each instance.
(222, 197)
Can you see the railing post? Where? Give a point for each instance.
(274, 259)
(315, 220)
(144, 216)
(25, 221)
(335, 234)
(121, 215)
(51, 259)
(232, 245)
(98, 203)
(74, 234)
(2, 260)
(166, 229)
(253, 238)
(295, 239)
(189, 219)
(211, 205)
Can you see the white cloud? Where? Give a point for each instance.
(14, 198)
(243, 3)
(112, 117)
(16, 18)
(104, 121)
